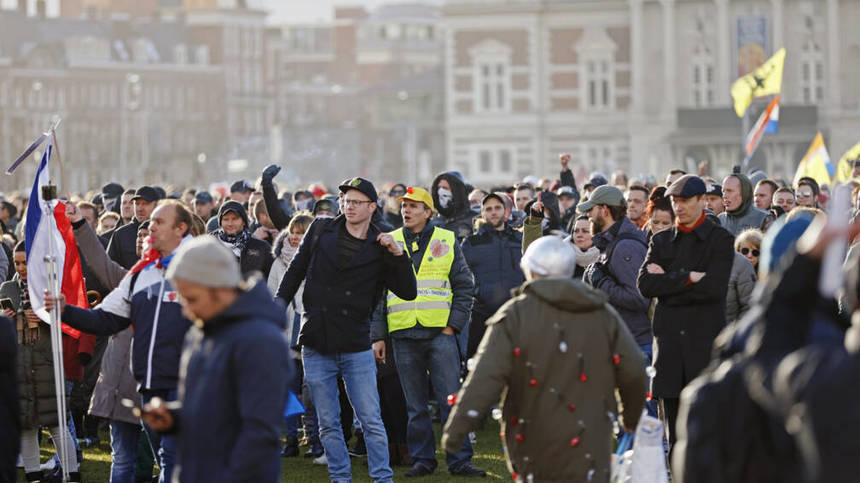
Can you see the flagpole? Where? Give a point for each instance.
(49, 194)
(57, 348)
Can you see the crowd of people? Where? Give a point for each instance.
(563, 312)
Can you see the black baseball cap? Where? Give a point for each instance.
(203, 197)
(241, 186)
(112, 190)
(714, 189)
(492, 196)
(359, 184)
(147, 193)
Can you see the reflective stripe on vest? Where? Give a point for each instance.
(433, 304)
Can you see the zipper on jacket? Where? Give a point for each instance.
(152, 337)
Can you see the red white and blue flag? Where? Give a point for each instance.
(768, 123)
(48, 231)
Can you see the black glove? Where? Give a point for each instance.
(593, 274)
(270, 172)
(84, 358)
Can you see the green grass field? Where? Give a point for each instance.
(488, 456)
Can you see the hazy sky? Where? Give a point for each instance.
(304, 11)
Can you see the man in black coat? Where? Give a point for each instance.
(346, 263)
(687, 268)
(123, 244)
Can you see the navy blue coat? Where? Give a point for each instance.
(494, 257)
(339, 300)
(233, 386)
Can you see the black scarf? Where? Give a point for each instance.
(237, 242)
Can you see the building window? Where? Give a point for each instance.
(597, 68)
(599, 82)
(493, 163)
(812, 73)
(703, 76)
(492, 76)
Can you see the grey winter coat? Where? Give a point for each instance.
(115, 380)
(741, 284)
(752, 217)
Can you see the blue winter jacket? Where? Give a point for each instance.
(494, 257)
(233, 386)
(159, 327)
(620, 285)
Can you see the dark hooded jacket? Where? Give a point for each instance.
(233, 381)
(457, 217)
(9, 411)
(747, 215)
(494, 257)
(257, 254)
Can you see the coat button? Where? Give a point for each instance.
(343, 312)
(348, 293)
(683, 332)
(325, 309)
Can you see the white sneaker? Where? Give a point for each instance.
(473, 437)
(321, 461)
(48, 465)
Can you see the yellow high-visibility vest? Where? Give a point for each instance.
(433, 304)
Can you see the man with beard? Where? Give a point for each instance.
(493, 254)
(452, 201)
(741, 213)
(622, 248)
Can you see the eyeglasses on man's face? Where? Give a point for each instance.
(351, 202)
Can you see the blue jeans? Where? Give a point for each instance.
(358, 370)
(123, 444)
(164, 447)
(414, 358)
(651, 405)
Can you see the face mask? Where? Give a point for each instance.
(445, 197)
(306, 204)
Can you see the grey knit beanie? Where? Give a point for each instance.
(205, 261)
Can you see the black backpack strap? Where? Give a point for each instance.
(131, 284)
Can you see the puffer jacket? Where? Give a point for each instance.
(37, 394)
(116, 381)
(741, 284)
(555, 354)
(494, 258)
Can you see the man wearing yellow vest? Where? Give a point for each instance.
(424, 331)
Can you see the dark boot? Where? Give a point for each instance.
(34, 476)
(316, 448)
(75, 477)
(291, 448)
(405, 458)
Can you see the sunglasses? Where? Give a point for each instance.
(804, 194)
(746, 251)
